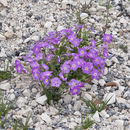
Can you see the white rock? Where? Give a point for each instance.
(103, 114)
(111, 97)
(83, 15)
(35, 38)
(105, 71)
(48, 24)
(41, 100)
(21, 102)
(95, 81)
(96, 117)
(2, 38)
(101, 8)
(128, 83)
(41, 127)
(9, 33)
(52, 110)
(128, 10)
(77, 113)
(59, 28)
(67, 99)
(87, 96)
(72, 125)
(11, 97)
(26, 93)
(5, 86)
(77, 105)
(119, 123)
(108, 62)
(114, 60)
(83, 1)
(121, 100)
(46, 118)
(3, 2)
(102, 82)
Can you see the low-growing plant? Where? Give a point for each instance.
(6, 74)
(18, 125)
(96, 105)
(85, 124)
(65, 60)
(5, 107)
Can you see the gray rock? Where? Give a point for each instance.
(67, 99)
(128, 83)
(83, 1)
(102, 82)
(114, 60)
(2, 38)
(111, 97)
(77, 105)
(83, 15)
(87, 96)
(103, 114)
(11, 97)
(96, 117)
(4, 85)
(9, 33)
(26, 93)
(59, 28)
(41, 100)
(21, 102)
(46, 118)
(108, 62)
(3, 2)
(48, 24)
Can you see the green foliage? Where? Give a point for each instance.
(124, 48)
(97, 105)
(5, 107)
(85, 124)
(4, 75)
(18, 125)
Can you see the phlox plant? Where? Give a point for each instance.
(66, 59)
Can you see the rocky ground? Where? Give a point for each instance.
(22, 22)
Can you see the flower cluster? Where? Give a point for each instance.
(67, 57)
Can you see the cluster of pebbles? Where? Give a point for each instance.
(22, 22)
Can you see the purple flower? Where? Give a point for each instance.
(71, 37)
(79, 62)
(82, 52)
(34, 64)
(42, 76)
(58, 59)
(69, 48)
(76, 42)
(102, 62)
(36, 49)
(81, 84)
(92, 53)
(75, 56)
(86, 68)
(39, 56)
(73, 65)
(29, 59)
(48, 73)
(25, 71)
(2, 118)
(35, 75)
(62, 77)
(65, 68)
(73, 82)
(17, 62)
(97, 60)
(46, 81)
(44, 44)
(107, 38)
(19, 68)
(55, 82)
(95, 74)
(93, 43)
(49, 57)
(45, 66)
(75, 90)
(67, 62)
(105, 53)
